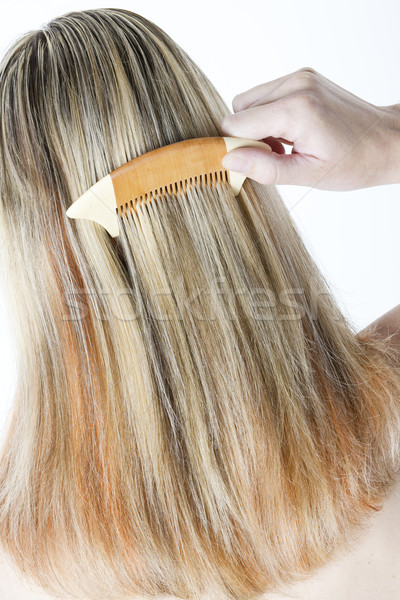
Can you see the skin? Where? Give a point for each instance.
(339, 142)
(389, 324)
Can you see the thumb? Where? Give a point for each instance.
(270, 168)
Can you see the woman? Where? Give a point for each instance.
(194, 416)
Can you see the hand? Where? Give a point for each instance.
(340, 142)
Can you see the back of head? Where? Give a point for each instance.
(194, 414)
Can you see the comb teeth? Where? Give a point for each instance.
(210, 179)
(143, 178)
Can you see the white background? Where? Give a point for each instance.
(353, 236)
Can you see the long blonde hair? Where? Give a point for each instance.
(194, 415)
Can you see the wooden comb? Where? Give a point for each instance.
(166, 170)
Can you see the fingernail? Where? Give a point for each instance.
(234, 163)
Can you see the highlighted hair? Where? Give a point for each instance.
(194, 415)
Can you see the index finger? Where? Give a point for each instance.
(273, 119)
(246, 99)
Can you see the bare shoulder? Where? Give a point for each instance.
(388, 324)
(370, 570)
(13, 586)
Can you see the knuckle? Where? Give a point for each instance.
(309, 79)
(308, 72)
(237, 102)
(306, 101)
